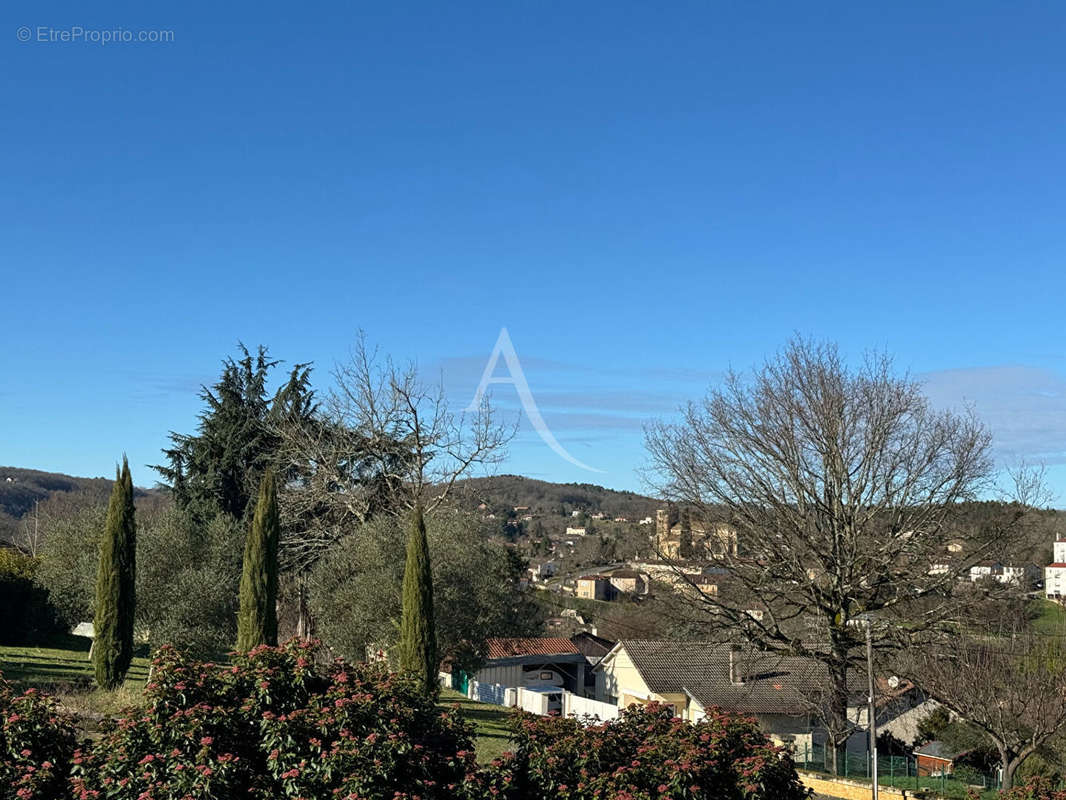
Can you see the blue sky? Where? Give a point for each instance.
(644, 195)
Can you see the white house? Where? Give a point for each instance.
(575, 531)
(1004, 573)
(1055, 573)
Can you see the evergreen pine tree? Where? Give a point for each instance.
(218, 469)
(418, 638)
(115, 586)
(257, 620)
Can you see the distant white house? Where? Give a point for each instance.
(575, 531)
(647, 521)
(1055, 573)
(1004, 573)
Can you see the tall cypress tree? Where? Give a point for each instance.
(418, 636)
(115, 586)
(257, 621)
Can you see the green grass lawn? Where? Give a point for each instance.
(61, 664)
(1048, 618)
(493, 733)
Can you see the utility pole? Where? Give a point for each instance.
(871, 716)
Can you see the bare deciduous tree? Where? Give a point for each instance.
(1011, 684)
(840, 484)
(384, 441)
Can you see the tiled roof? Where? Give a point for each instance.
(543, 646)
(772, 684)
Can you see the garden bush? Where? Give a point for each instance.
(648, 753)
(271, 725)
(1037, 788)
(25, 612)
(36, 745)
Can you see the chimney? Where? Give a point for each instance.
(735, 676)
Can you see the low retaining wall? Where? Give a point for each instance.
(851, 790)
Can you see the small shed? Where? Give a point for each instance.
(544, 661)
(935, 758)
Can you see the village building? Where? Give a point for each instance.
(1055, 573)
(693, 677)
(688, 537)
(594, 587)
(628, 581)
(1014, 575)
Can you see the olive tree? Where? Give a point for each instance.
(384, 442)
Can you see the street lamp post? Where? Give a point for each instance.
(871, 717)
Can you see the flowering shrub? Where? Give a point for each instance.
(272, 726)
(649, 754)
(36, 745)
(1037, 788)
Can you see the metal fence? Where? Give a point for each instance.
(899, 772)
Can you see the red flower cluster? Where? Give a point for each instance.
(36, 745)
(1038, 788)
(272, 726)
(648, 754)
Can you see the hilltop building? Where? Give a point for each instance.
(683, 536)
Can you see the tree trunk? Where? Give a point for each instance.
(837, 723)
(1008, 767)
(303, 612)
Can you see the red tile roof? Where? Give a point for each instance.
(543, 646)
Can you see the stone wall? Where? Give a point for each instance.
(850, 790)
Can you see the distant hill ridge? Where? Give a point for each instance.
(21, 488)
(503, 491)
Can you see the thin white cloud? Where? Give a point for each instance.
(1024, 407)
